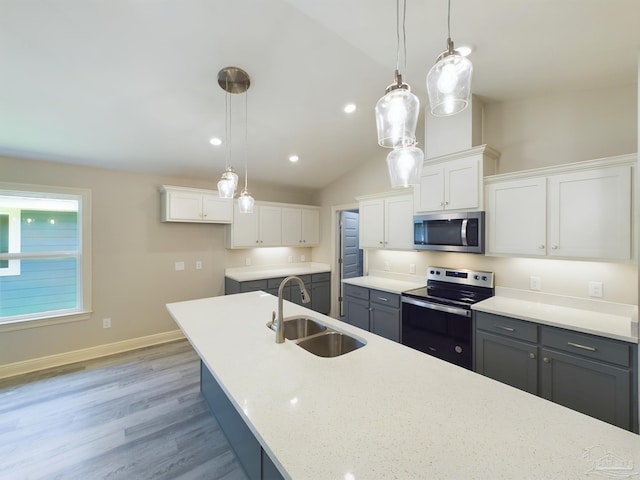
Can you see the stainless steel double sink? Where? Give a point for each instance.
(317, 338)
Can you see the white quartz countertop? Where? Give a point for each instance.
(612, 320)
(386, 411)
(392, 285)
(245, 274)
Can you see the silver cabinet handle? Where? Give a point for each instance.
(383, 299)
(554, 247)
(546, 360)
(532, 355)
(541, 247)
(508, 329)
(584, 347)
(380, 242)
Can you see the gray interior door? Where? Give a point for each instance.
(350, 253)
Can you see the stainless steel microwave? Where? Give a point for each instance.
(449, 232)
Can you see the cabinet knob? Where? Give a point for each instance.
(554, 247)
(541, 247)
(442, 204)
(532, 355)
(380, 242)
(257, 241)
(304, 241)
(546, 360)
(446, 203)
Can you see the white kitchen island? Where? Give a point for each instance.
(386, 411)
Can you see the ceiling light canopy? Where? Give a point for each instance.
(449, 80)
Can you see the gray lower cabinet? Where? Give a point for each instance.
(254, 460)
(318, 285)
(593, 375)
(373, 310)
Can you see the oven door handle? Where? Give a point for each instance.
(436, 306)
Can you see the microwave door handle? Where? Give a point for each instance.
(463, 232)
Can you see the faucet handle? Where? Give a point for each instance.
(272, 325)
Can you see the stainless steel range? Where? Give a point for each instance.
(436, 319)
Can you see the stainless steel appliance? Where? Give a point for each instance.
(449, 232)
(436, 319)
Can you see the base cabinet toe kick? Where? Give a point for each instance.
(255, 462)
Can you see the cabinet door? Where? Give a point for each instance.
(356, 312)
(516, 217)
(385, 321)
(291, 226)
(593, 388)
(184, 206)
(245, 228)
(461, 185)
(398, 218)
(216, 209)
(270, 226)
(372, 223)
(509, 361)
(590, 214)
(430, 193)
(321, 297)
(310, 227)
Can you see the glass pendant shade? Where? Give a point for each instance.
(405, 166)
(228, 183)
(397, 117)
(449, 84)
(245, 202)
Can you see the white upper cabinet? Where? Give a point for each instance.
(182, 204)
(300, 226)
(386, 221)
(580, 210)
(262, 228)
(454, 182)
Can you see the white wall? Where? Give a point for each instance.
(529, 134)
(134, 255)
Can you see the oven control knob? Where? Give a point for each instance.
(458, 349)
(484, 278)
(476, 277)
(432, 272)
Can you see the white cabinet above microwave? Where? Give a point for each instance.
(455, 181)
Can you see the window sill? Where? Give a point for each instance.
(43, 322)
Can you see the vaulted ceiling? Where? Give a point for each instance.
(132, 84)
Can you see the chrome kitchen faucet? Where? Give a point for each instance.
(279, 323)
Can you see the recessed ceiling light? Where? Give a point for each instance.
(464, 50)
(350, 108)
(294, 158)
(215, 141)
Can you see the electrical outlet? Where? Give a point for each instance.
(198, 265)
(179, 265)
(387, 267)
(535, 283)
(247, 261)
(106, 323)
(302, 258)
(412, 268)
(595, 289)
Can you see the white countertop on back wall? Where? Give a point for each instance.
(259, 272)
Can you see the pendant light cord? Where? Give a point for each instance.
(227, 121)
(449, 20)
(404, 35)
(246, 136)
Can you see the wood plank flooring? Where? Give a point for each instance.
(135, 415)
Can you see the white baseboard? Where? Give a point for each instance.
(19, 368)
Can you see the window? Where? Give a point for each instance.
(44, 253)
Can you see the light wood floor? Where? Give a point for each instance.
(136, 415)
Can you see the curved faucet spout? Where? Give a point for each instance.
(306, 298)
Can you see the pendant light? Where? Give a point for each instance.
(397, 111)
(231, 80)
(449, 80)
(245, 200)
(405, 166)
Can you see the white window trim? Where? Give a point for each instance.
(13, 267)
(84, 257)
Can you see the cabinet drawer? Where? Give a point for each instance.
(591, 346)
(385, 298)
(356, 292)
(509, 327)
(274, 282)
(253, 285)
(321, 277)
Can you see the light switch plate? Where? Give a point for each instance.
(179, 265)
